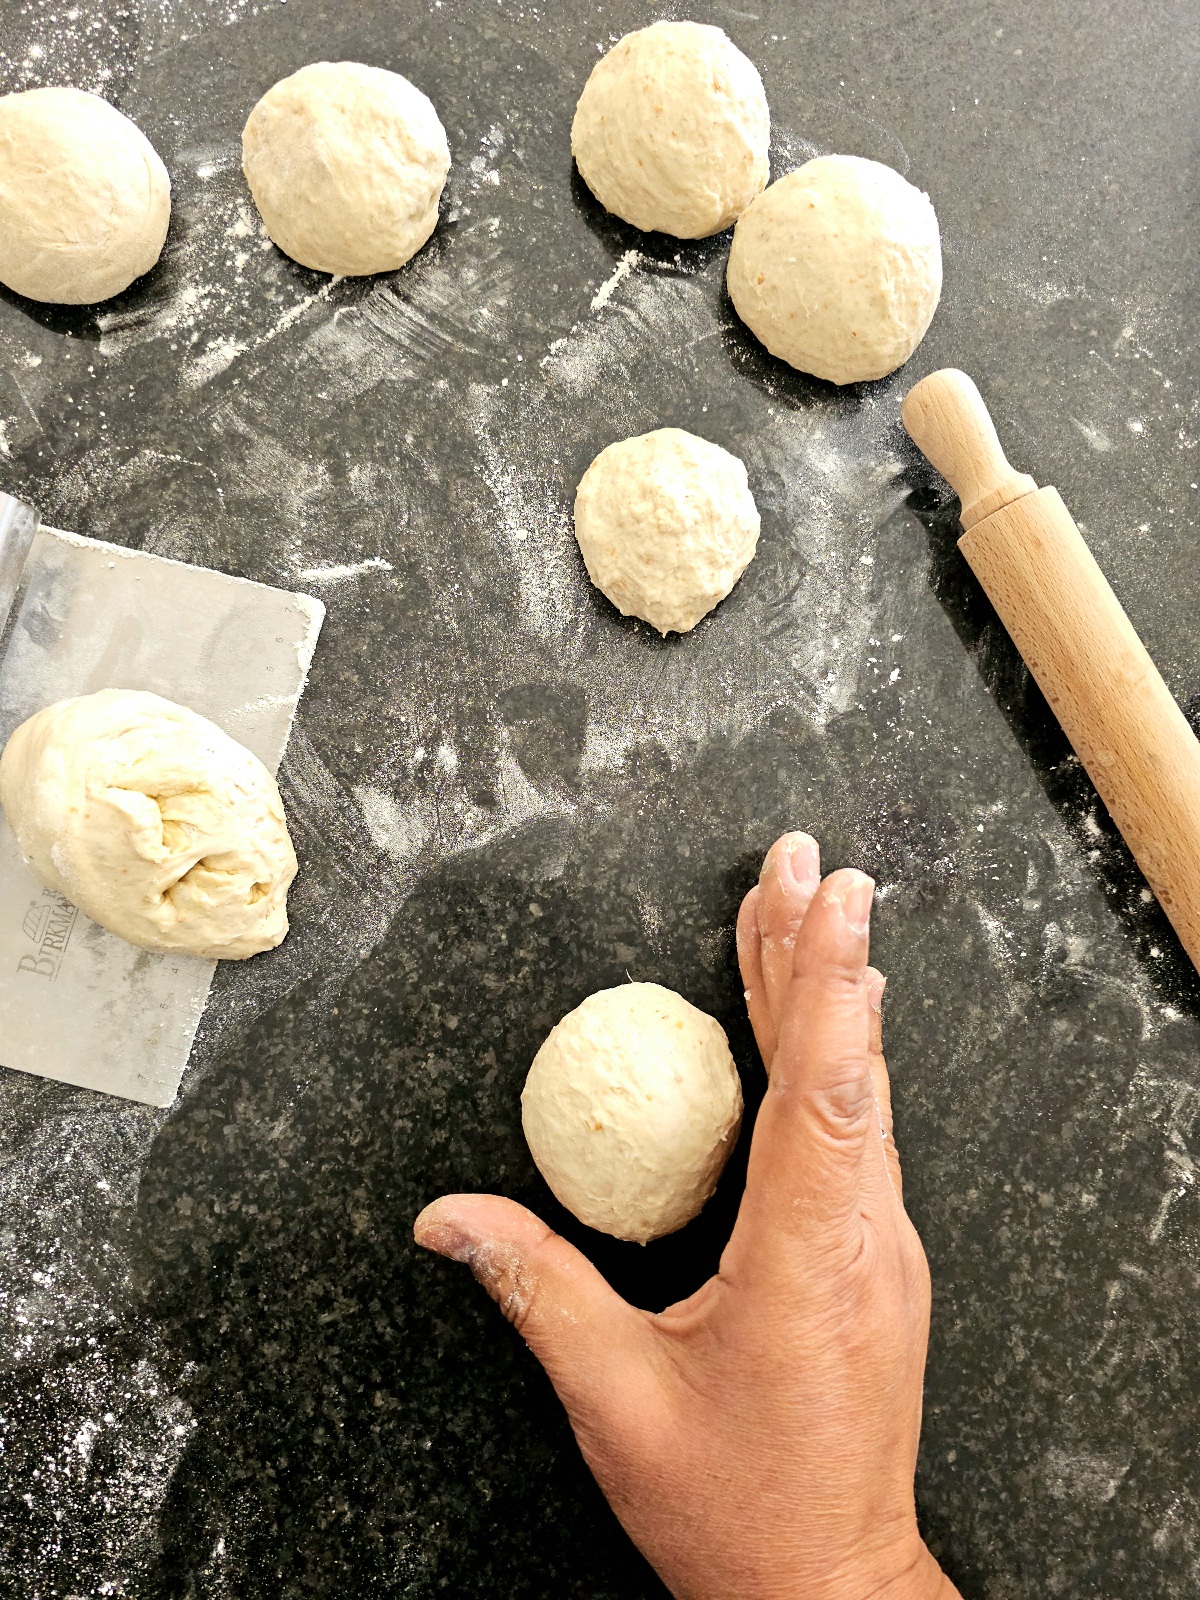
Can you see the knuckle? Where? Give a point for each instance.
(917, 1266)
(844, 1107)
(505, 1275)
(518, 1300)
(838, 975)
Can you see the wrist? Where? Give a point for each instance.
(907, 1572)
(922, 1579)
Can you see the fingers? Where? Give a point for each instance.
(576, 1325)
(749, 948)
(769, 922)
(876, 983)
(789, 879)
(820, 1112)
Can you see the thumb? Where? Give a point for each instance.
(578, 1327)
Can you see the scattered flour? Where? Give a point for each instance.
(339, 574)
(439, 821)
(623, 268)
(1095, 437)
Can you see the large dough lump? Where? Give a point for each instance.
(672, 130)
(631, 1108)
(837, 268)
(346, 164)
(154, 822)
(666, 525)
(84, 199)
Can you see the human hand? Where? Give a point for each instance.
(758, 1440)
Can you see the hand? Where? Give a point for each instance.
(758, 1440)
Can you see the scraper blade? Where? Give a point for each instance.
(77, 1003)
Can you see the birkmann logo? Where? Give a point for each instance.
(47, 925)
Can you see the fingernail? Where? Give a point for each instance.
(443, 1236)
(875, 987)
(857, 893)
(805, 858)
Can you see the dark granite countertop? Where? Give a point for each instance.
(224, 1369)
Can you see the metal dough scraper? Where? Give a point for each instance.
(76, 615)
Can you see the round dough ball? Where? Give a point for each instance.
(154, 822)
(346, 165)
(631, 1108)
(672, 129)
(84, 199)
(667, 525)
(837, 268)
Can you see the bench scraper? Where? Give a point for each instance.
(76, 615)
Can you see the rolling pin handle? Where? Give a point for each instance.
(946, 418)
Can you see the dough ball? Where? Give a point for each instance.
(154, 822)
(346, 165)
(631, 1108)
(84, 199)
(672, 128)
(667, 525)
(837, 268)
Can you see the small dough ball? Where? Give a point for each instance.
(346, 165)
(667, 525)
(154, 822)
(672, 129)
(631, 1108)
(84, 199)
(837, 268)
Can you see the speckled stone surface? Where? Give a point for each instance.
(224, 1369)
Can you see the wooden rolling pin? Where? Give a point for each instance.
(1024, 547)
